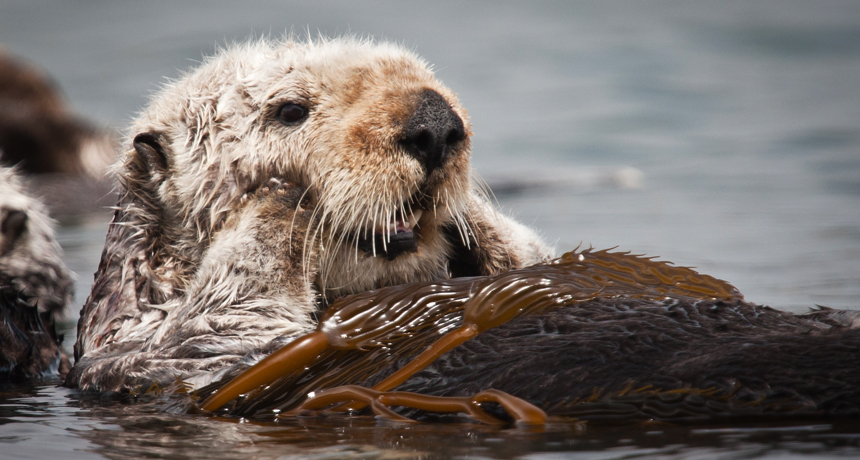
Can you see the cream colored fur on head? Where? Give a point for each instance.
(236, 223)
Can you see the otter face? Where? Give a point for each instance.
(379, 145)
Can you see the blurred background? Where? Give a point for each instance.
(721, 135)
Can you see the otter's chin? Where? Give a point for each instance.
(391, 247)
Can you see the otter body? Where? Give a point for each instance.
(265, 184)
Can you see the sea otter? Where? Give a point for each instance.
(268, 182)
(35, 286)
(317, 196)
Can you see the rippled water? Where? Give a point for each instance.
(724, 136)
(45, 421)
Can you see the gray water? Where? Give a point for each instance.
(724, 136)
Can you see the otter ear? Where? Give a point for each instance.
(150, 149)
(148, 163)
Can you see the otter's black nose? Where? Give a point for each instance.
(432, 131)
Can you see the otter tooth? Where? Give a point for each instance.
(416, 216)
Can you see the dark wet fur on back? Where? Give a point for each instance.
(754, 359)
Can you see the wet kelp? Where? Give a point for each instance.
(594, 335)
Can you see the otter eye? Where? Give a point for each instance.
(291, 113)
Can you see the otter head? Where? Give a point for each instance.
(380, 147)
(267, 182)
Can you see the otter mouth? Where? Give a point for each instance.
(397, 237)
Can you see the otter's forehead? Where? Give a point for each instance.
(329, 58)
(257, 72)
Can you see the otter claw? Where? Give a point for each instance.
(274, 184)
